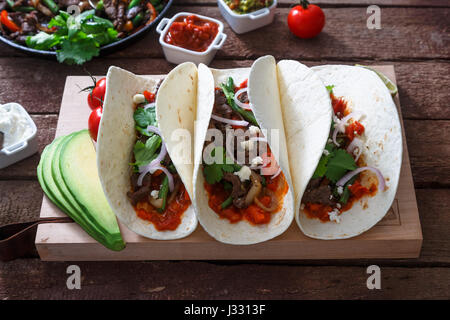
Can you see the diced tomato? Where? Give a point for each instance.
(150, 97)
(354, 128)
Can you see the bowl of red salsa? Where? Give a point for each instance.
(190, 37)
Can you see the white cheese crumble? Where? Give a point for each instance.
(138, 98)
(302, 206)
(338, 205)
(340, 189)
(256, 161)
(334, 216)
(244, 173)
(326, 152)
(254, 130)
(155, 194)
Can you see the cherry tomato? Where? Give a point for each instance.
(97, 95)
(306, 20)
(94, 122)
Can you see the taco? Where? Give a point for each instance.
(344, 142)
(146, 182)
(356, 179)
(242, 184)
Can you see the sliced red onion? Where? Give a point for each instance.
(154, 130)
(335, 132)
(149, 105)
(351, 174)
(144, 171)
(245, 106)
(356, 143)
(168, 174)
(240, 123)
(277, 173)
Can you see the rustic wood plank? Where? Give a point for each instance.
(429, 160)
(343, 3)
(422, 85)
(33, 279)
(406, 33)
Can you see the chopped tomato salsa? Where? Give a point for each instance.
(354, 128)
(192, 33)
(253, 214)
(170, 219)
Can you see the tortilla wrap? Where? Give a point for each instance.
(366, 93)
(117, 137)
(242, 232)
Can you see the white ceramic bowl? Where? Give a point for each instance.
(23, 148)
(177, 54)
(242, 23)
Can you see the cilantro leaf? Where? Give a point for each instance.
(79, 49)
(322, 166)
(214, 172)
(145, 118)
(330, 88)
(145, 153)
(42, 41)
(339, 164)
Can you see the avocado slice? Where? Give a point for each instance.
(53, 190)
(83, 217)
(46, 180)
(78, 167)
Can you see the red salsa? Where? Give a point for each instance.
(170, 219)
(192, 33)
(253, 213)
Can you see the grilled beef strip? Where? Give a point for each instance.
(319, 191)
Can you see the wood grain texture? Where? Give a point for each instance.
(342, 3)
(33, 279)
(406, 33)
(21, 201)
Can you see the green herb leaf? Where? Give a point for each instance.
(330, 88)
(228, 90)
(42, 41)
(322, 166)
(214, 172)
(78, 50)
(145, 153)
(144, 118)
(338, 165)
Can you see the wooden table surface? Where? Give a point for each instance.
(414, 37)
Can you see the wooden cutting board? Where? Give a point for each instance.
(398, 235)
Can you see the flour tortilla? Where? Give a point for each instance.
(366, 93)
(241, 233)
(117, 137)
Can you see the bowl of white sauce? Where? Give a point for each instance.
(18, 139)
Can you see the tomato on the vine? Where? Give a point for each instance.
(94, 122)
(306, 20)
(97, 94)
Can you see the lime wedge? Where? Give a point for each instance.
(389, 84)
